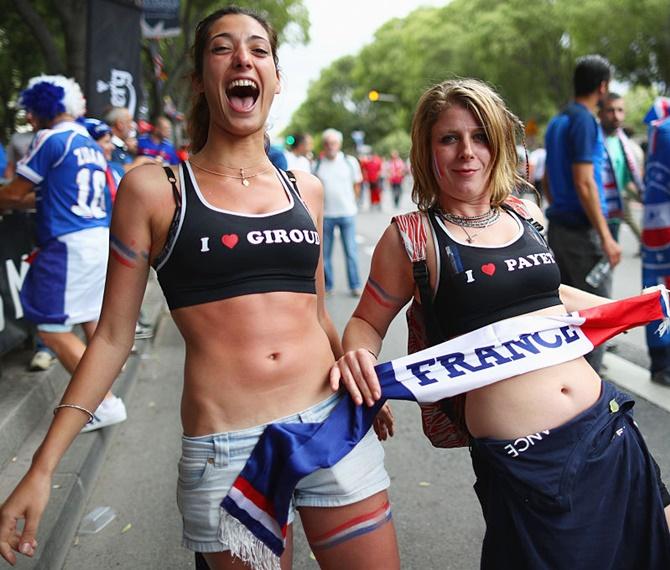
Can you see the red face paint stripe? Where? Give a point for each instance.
(354, 521)
(122, 260)
(356, 530)
(378, 298)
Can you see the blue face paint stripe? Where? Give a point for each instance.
(121, 247)
(359, 532)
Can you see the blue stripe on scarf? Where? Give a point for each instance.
(270, 540)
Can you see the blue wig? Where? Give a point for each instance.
(44, 100)
(48, 96)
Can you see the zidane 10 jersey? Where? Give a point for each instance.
(68, 168)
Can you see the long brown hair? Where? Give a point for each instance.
(198, 116)
(500, 124)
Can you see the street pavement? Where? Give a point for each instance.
(436, 513)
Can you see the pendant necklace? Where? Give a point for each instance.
(480, 221)
(241, 177)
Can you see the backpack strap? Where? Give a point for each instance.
(414, 236)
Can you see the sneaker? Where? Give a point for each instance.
(355, 292)
(111, 411)
(143, 331)
(42, 360)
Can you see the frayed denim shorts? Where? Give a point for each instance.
(209, 465)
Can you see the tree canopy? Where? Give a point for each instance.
(43, 36)
(525, 50)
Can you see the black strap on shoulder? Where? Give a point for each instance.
(537, 226)
(294, 182)
(173, 180)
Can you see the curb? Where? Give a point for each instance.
(636, 380)
(78, 470)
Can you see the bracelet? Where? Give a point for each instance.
(76, 407)
(372, 353)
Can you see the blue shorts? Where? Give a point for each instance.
(581, 496)
(209, 465)
(66, 279)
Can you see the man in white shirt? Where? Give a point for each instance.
(341, 177)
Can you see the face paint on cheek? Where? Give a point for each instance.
(436, 167)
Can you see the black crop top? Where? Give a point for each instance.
(215, 254)
(481, 285)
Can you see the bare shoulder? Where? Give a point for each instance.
(535, 212)
(148, 184)
(308, 184)
(311, 190)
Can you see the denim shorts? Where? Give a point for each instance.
(209, 465)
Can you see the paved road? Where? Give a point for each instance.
(435, 510)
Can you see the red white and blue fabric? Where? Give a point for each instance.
(656, 219)
(614, 194)
(255, 511)
(659, 110)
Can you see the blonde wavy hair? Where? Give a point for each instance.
(501, 127)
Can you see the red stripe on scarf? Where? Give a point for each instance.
(601, 324)
(256, 498)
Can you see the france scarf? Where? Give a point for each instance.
(255, 511)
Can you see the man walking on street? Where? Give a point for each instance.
(578, 231)
(622, 180)
(341, 177)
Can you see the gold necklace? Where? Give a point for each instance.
(242, 177)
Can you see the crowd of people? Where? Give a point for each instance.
(471, 258)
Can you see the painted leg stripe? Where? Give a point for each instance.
(356, 527)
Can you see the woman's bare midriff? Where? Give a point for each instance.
(535, 401)
(250, 360)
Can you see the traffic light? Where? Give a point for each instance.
(373, 95)
(290, 140)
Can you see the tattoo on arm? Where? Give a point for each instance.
(383, 298)
(125, 254)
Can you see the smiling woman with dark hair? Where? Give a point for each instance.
(236, 245)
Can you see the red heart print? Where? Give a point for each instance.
(230, 240)
(489, 269)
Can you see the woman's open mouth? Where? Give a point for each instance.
(242, 94)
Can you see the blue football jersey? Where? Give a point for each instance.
(68, 168)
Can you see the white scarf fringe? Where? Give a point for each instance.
(244, 545)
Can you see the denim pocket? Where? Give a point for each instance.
(194, 471)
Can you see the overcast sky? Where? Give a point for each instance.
(337, 28)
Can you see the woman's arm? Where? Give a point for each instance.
(127, 271)
(312, 192)
(389, 287)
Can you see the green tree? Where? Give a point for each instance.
(43, 36)
(525, 50)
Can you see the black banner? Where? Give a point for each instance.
(16, 242)
(160, 19)
(113, 73)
